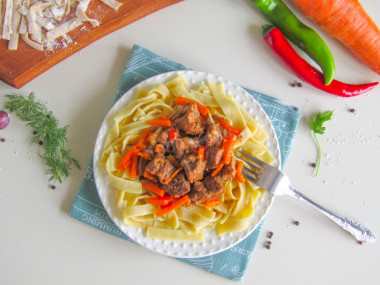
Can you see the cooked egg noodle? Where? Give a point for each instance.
(237, 203)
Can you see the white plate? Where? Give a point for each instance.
(212, 243)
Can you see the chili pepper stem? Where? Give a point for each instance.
(319, 153)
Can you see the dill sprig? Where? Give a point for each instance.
(46, 134)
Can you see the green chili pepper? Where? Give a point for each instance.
(303, 36)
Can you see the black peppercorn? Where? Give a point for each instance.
(53, 187)
(2, 139)
(267, 246)
(270, 234)
(313, 165)
(40, 143)
(352, 110)
(296, 223)
(299, 84)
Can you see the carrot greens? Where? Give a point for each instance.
(318, 128)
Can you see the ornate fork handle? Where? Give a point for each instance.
(359, 231)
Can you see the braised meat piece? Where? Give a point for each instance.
(188, 119)
(228, 172)
(161, 167)
(198, 193)
(214, 156)
(185, 146)
(163, 136)
(194, 167)
(214, 185)
(213, 136)
(141, 166)
(210, 188)
(178, 187)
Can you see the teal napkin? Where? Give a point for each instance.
(87, 207)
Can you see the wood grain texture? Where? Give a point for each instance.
(21, 66)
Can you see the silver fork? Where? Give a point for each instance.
(276, 182)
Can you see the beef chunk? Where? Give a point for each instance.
(198, 193)
(161, 167)
(185, 146)
(228, 172)
(213, 185)
(214, 156)
(141, 166)
(163, 136)
(188, 119)
(178, 187)
(210, 188)
(194, 167)
(213, 136)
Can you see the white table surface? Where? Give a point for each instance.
(41, 244)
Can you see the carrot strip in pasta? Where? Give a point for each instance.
(160, 200)
(144, 155)
(161, 123)
(239, 175)
(228, 146)
(153, 188)
(212, 202)
(149, 176)
(174, 174)
(126, 159)
(159, 148)
(135, 160)
(183, 200)
(201, 153)
(141, 142)
(223, 122)
(217, 169)
(164, 117)
(183, 101)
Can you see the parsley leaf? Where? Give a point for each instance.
(318, 128)
(318, 121)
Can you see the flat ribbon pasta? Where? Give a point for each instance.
(237, 203)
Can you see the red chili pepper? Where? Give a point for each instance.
(172, 134)
(278, 43)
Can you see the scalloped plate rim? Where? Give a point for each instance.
(183, 249)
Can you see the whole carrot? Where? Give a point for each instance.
(347, 21)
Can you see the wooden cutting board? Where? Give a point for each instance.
(21, 66)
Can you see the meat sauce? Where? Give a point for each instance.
(176, 164)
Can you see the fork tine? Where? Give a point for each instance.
(254, 168)
(249, 177)
(252, 172)
(254, 159)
